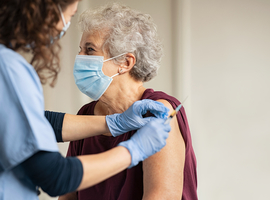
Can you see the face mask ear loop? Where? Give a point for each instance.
(115, 75)
(62, 16)
(114, 57)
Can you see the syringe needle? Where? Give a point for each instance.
(174, 112)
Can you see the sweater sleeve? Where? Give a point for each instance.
(56, 120)
(52, 172)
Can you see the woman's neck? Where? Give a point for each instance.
(119, 97)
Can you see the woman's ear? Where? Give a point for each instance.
(128, 64)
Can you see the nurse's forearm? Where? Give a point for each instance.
(98, 167)
(76, 127)
(57, 175)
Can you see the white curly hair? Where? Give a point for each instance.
(126, 30)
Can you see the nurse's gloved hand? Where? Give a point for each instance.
(147, 140)
(132, 118)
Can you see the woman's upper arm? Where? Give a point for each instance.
(163, 172)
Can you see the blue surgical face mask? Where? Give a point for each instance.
(65, 28)
(66, 25)
(89, 77)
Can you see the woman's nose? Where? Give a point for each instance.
(82, 53)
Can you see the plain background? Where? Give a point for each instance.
(217, 52)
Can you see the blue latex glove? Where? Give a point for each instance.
(147, 140)
(132, 118)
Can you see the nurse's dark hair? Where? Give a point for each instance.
(28, 26)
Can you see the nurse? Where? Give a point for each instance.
(29, 156)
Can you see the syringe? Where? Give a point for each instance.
(174, 112)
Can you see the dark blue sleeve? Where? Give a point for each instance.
(52, 172)
(56, 120)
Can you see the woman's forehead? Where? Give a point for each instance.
(96, 38)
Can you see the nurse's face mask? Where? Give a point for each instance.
(89, 77)
(66, 25)
(64, 29)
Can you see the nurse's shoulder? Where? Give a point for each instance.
(10, 58)
(14, 65)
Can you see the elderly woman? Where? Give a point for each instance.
(127, 39)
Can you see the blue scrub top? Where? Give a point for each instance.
(24, 130)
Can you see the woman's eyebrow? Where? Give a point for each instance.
(89, 44)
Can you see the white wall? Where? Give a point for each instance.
(217, 54)
(230, 67)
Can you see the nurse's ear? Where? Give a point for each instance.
(128, 64)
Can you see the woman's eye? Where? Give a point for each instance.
(90, 49)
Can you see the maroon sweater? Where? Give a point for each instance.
(128, 184)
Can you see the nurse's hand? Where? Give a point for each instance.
(147, 141)
(132, 118)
